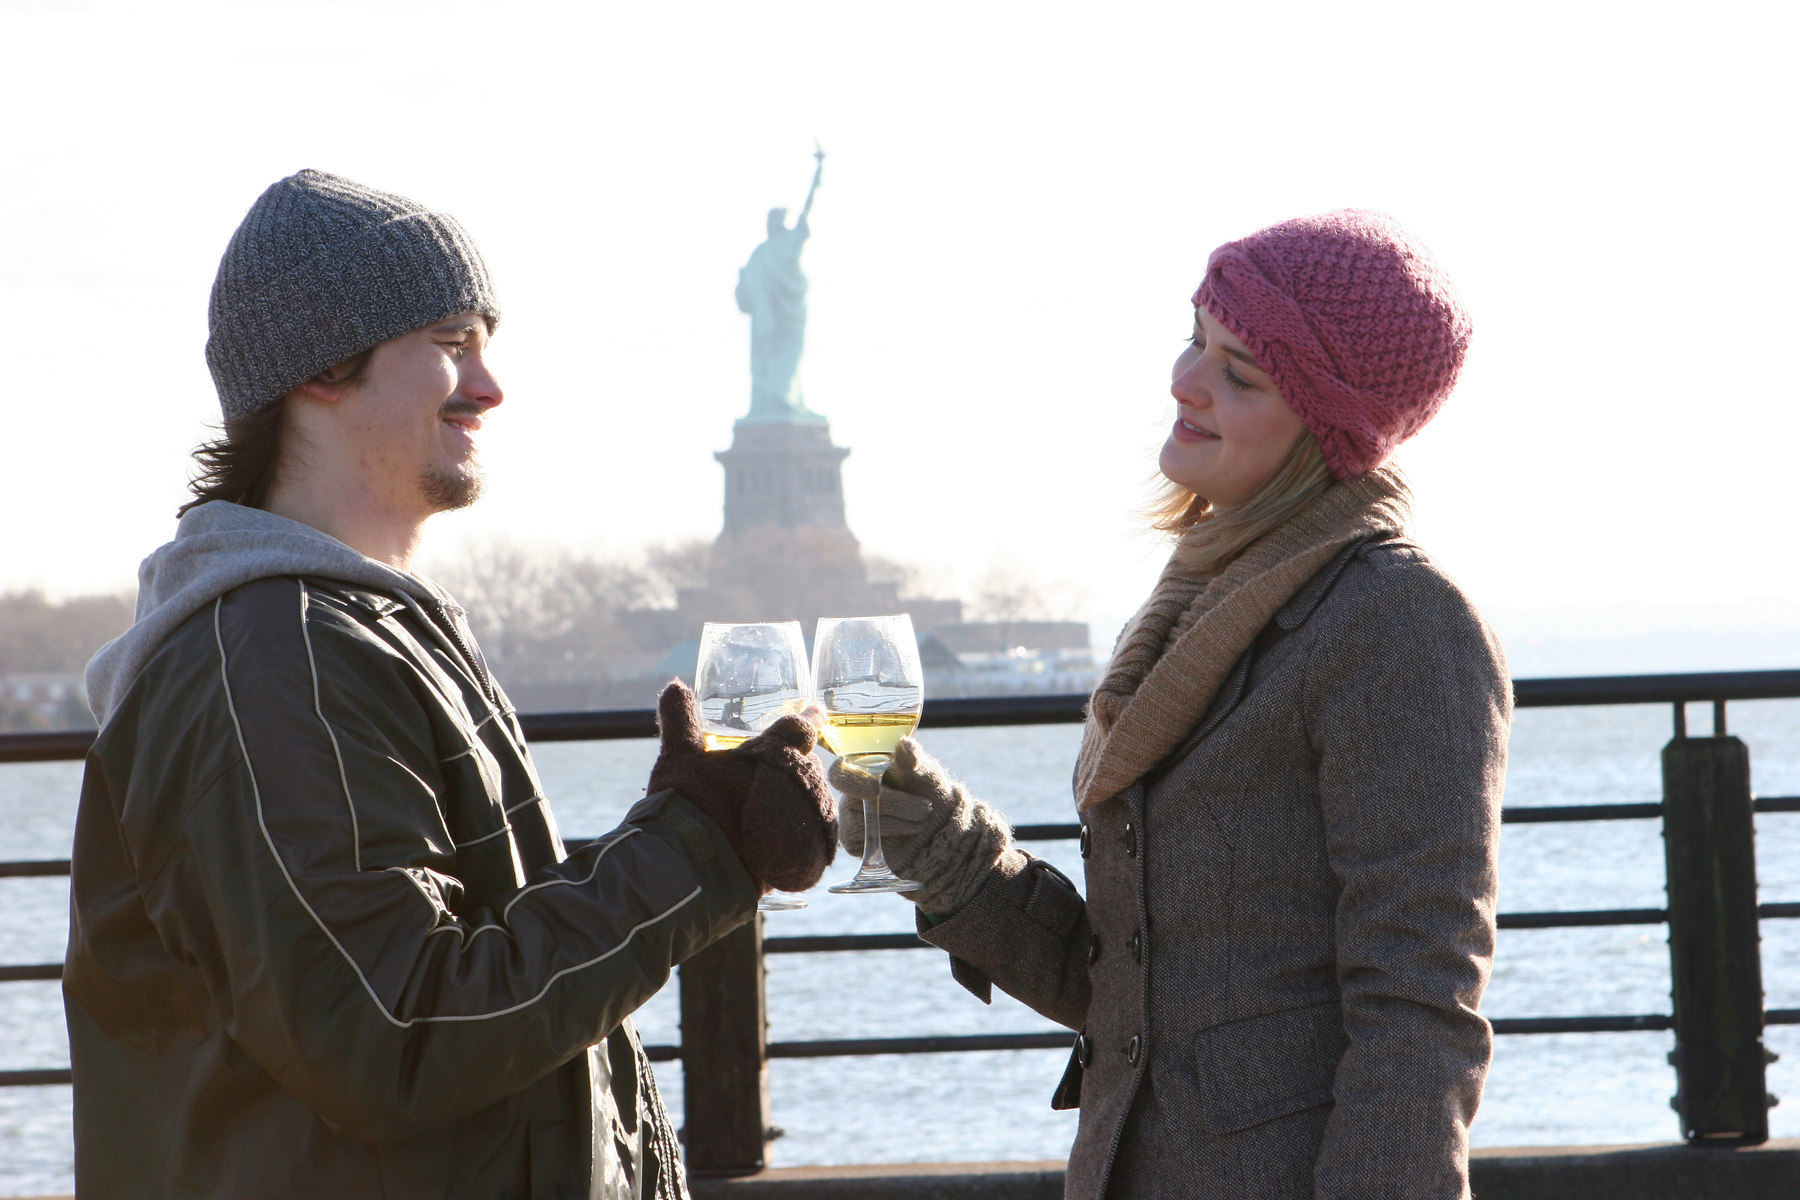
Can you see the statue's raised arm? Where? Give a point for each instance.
(819, 157)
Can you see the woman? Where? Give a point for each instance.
(1290, 779)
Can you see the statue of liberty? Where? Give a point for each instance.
(772, 289)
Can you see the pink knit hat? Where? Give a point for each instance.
(1353, 320)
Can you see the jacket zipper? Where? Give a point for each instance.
(469, 655)
(443, 627)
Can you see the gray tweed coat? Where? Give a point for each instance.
(1289, 923)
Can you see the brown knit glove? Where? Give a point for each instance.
(768, 795)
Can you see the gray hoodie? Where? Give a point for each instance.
(219, 546)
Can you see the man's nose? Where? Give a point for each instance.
(480, 385)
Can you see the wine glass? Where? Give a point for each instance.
(746, 677)
(866, 675)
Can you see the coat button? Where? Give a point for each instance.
(1130, 839)
(1084, 1050)
(1087, 840)
(1134, 1049)
(1137, 945)
(1094, 950)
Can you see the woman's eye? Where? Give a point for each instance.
(1236, 382)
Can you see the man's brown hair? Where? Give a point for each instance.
(240, 467)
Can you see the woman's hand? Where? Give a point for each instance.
(932, 830)
(768, 795)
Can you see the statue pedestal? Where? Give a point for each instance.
(788, 476)
(786, 552)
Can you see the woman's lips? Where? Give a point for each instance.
(1191, 434)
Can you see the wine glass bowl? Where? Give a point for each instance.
(866, 676)
(747, 677)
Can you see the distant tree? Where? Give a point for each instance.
(676, 567)
(547, 614)
(39, 636)
(771, 574)
(1008, 590)
(501, 583)
(910, 579)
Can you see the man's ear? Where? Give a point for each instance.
(320, 390)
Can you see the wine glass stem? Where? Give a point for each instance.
(873, 860)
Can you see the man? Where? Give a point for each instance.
(325, 940)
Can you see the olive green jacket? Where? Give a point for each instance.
(325, 940)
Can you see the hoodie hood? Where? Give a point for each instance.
(219, 546)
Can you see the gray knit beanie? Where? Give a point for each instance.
(323, 268)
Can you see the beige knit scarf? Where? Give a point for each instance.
(1176, 653)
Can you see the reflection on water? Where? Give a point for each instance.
(1569, 1088)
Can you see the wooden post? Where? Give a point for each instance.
(1709, 842)
(724, 1055)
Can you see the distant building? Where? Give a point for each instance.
(1011, 637)
(44, 700)
(997, 658)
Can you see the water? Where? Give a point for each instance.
(1571, 1088)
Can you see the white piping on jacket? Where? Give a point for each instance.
(592, 871)
(268, 840)
(436, 906)
(337, 752)
(506, 828)
(355, 831)
(534, 798)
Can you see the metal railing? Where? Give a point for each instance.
(1706, 810)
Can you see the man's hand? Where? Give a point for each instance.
(768, 795)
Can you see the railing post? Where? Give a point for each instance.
(724, 1055)
(1709, 843)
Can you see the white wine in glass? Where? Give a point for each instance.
(747, 676)
(866, 674)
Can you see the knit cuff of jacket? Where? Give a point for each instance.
(956, 859)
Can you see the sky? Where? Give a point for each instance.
(1018, 201)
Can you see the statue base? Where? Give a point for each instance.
(783, 474)
(792, 416)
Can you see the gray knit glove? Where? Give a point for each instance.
(932, 830)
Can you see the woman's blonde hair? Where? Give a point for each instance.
(1208, 538)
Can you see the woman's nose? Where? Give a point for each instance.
(1187, 388)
